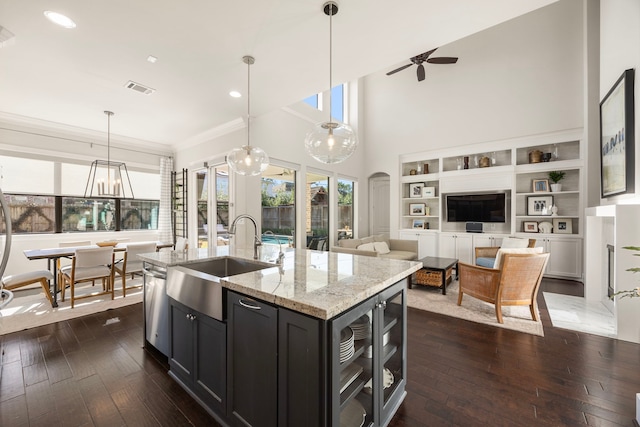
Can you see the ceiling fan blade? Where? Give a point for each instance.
(399, 69)
(442, 60)
(420, 72)
(419, 59)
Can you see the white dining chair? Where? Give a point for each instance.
(131, 263)
(87, 266)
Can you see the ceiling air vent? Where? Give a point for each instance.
(139, 88)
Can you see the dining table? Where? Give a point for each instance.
(52, 255)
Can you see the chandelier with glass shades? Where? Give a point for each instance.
(109, 179)
(248, 160)
(331, 142)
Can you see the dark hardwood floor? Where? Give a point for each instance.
(93, 371)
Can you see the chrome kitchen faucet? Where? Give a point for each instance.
(256, 239)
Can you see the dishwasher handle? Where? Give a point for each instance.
(156, 273)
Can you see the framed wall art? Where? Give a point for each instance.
(418, 223)
(617, 138)
(562, 225)
(530, 226)
(539, 205)
(416, 209)
(428, 191)
(540, 186)
(415, 189)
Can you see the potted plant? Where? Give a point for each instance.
(556, 177)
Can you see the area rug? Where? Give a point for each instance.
(431, 299)
(30, 308)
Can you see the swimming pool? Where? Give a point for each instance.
(275, 239)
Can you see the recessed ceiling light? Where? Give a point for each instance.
(59, 19)
(152, 59)
(235, 94)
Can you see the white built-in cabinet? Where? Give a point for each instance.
(487, 240)
(427, 242)
(567, 256)
(510, 166)
(457, 245)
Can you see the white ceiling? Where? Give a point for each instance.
(70, 76)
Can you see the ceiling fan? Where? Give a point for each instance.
(424, 57)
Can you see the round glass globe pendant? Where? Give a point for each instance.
(331, 142)
(248, 160)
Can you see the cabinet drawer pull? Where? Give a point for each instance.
(244, 304)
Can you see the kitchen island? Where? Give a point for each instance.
(316, 341)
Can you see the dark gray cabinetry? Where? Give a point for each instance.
(275, 365)
(369, 384)
(197, 354)
(253, 361)
(301, 367)
(271, 366)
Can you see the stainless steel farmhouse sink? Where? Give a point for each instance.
(227, 266)
(197, 285)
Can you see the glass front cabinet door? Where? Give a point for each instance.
(368, 360)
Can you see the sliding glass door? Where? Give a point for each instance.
(212, 205)
(278, 190)
(317, 210)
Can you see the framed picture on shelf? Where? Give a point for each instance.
(530, 227)
(617, 138)
(562, 225)
(539, 205)
(540, 185)
(416, 209)
(415, 189)
(418, 223)
(428, 191)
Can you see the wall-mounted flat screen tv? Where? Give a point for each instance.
(476, 207)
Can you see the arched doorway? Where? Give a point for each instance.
(379, 204)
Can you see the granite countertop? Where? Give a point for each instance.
(317, 283)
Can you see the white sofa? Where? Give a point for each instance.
(379, 246)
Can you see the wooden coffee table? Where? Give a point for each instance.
(439, 265)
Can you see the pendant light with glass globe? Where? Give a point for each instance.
(331, 142)
(248, 160)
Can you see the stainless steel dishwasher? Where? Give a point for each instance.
(156, 307)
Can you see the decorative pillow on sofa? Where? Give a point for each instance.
(501, 251)
(381, 247)
(368, 239)
(381, 238)
(367, 247)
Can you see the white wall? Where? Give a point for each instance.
(45, 140)
(619, 51)
(523, 77)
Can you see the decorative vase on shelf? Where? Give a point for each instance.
(535, 156)
(556, 188)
